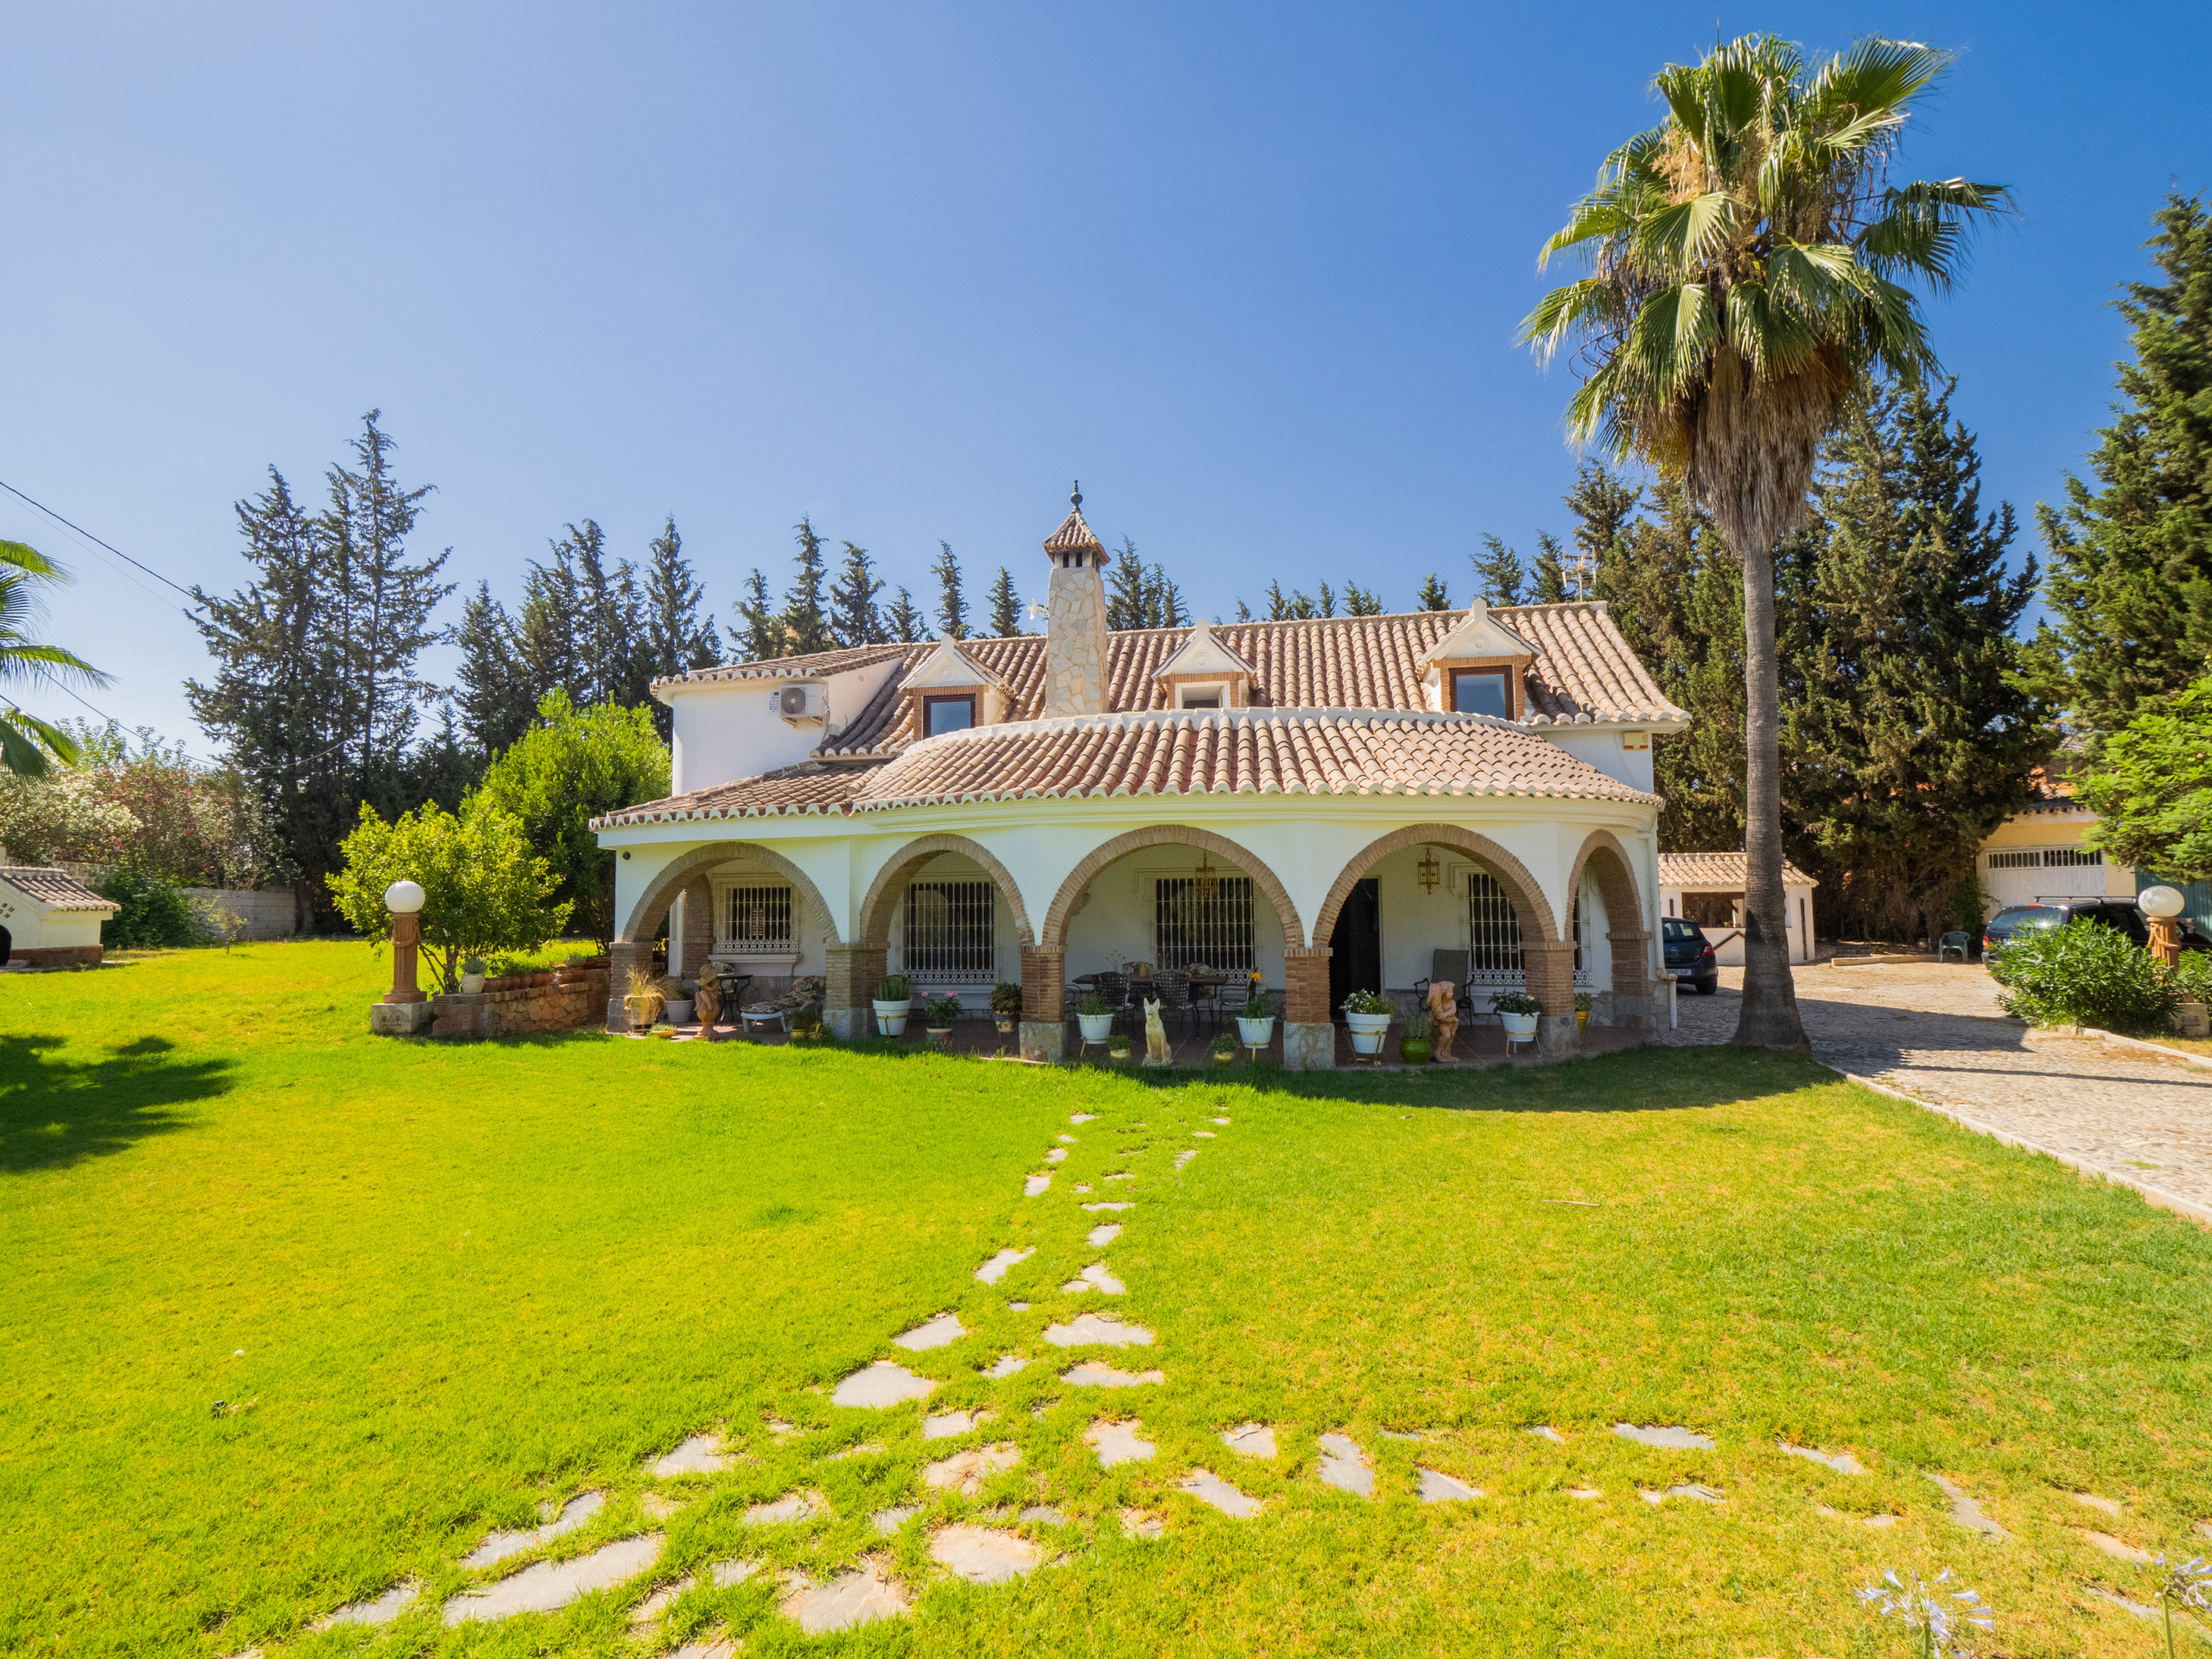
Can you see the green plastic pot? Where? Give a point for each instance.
(1413, 1051)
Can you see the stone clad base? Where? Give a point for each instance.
(524, 1011)
(1308, 1047)
(401, 1018)
(1558, 1033)
(1044, 1040)
(846, 1025)
(56, 955)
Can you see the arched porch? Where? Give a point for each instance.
(945, 911)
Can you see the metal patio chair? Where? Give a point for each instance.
(1454, 965)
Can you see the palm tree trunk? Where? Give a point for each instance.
(1769, 1019)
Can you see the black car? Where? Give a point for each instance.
(2001, 929)
(1689, 958)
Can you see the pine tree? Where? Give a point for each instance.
(1362, 601)
(495, 696)
(1603, 503)
(1243, 612)
(2130, 571)
(1005, 606)
(853, 620)
(1163, 602)
(903, 621)
(951, 607)
(677, 637)
(1125, 601)
(1548, 571)
(608, 648)
(1433, 595)
(760, 632)
(547, 631)
(806, 624)
(1498, 573)
(1286, 607)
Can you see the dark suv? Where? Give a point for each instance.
(2002, 928)
(1689, 958)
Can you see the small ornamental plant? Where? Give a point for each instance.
(1418, 1026)
(1514, 1002)
(472, 965)
(1930, 1613)
(1257, 1006)
(894, 989)
(1094, 1005)
(1367, 1002)
(940, 1010)
(1005, 999)
(1118, 1046)
(2182, 1584)
(1224, 1047)
(1585, 1000)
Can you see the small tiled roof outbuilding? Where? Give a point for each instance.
(55, 889)
(1720, 871)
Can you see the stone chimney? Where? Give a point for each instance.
(1075, 618)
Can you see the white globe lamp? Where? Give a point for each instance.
(2161, 904)
(404, 898)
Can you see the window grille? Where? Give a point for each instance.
(1493, 934)
(2070, 858)
(1582, 955)
(756, 920)
(951, 931)
(1213, 928)
(2046, 858)
(2009, 861)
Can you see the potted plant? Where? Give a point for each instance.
(472, 975)
(1117, 1048)
(938, 1014)
(1095, 1016)
(1006, 1006)
(804, 1023)
(675, 1001)
(1519, 1011)
(1256, 1020)
(1224, 1050)
(1368, 1014)
(1584, 1002)
(642, 1000)
(895, 1000)
(1412, 1046)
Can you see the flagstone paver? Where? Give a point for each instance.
(1210, 1488)
(720, 1647)
(889, 1521)
(950, 1425)
(702, 1454)
(1842, 1462)
(1222, 1122)
(865, 1593)
(1069, 1138)
(883, 1383)
(1094, 1277)
(2090, 1500)
(1185, 1156)
(547, 1586)
(1137, 1524)
(376, 1609)
(1104, 1234)
(1035, 1184)
(1109, 1207)
(658, 1506)
(1056, 1155)
(1672, 1436)
(1251, 1440)
(983, 1554)
(1549, 1432)
(1437, 1487)
(966, 1471)
(1117, 1443)
(1586, 1493)
(995, 1270)
(1004, 1365)
(939, 1332)
(1044, 1514)
(1701, 1494)
(1966, 1511)
(1203, 1134)
(499, 1546)
(1344, 1466)
(1101, 1329)
(792, 1506)
(1090, 1374)
(1083, 1117)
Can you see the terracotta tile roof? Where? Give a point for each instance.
(54, 889)
(811, 666)
(1074, 535)
(1583, 672)
(1718, 870)
(1179, 752)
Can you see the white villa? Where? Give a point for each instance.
(1329, 802)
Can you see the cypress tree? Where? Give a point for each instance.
(547, 627)
(760, 632)
(1433, 595)
(678, 638)
(1362, 601)
(903, 621)
(853, 620)
(1006, 606)
(1163, 602)
(2131, 562)
(495, 696)
(1125, 600)
(1498, 574)
(1604, 503)
(951, 607)
(806, 624)
(1548, 571)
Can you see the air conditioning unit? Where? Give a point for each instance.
(799, 705)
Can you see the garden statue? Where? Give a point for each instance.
(1444, 1013)
(1156, 1051)
(708, 1003)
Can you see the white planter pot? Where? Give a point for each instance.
(1367, 1031)
(1520, 1027)
(890, 1018)
(1097, 1027)
(678, 1011)
(1255, 1033)
(471, 984)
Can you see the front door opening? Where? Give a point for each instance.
(1356, 947)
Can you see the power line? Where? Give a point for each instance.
(89, 537)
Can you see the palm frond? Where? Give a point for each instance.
(28, 560)
(24, 741)
(1576, 307)
(1874, 75)
(1677, 239)
(1667, 343)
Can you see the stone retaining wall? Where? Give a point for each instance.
(524, 1005)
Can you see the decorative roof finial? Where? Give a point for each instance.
(1075, 495)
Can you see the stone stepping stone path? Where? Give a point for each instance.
(720, 1576)
(1437, 1487)
(720, 1647)
(1056, 1155)
(1044, 1514)
(657, 1506)
(939, 1332)
(702, 1454)
(1094, 1277)
(2091, 1501)
(1083, 1117)
(1863, 1520)
(1251, 1440)
(950, 1426)
(995, 1270)
(1102, 1235)
(1210, 1488)
(983, 1554)
(1222, 1122)
(865, 1449)
(1094, 1207)
(1549, 1432)
(378, 1610)
(2119, 1549)
(1118, 1443)
(1701, 1494)
(964, 1472)
(1036, 1185)
(548, 1586)
(499, 1546)
(1586, 1493)
(865, 1593)
(1137, 1524)
(1842, 1462)
(1181, 1158)
(1088, 1330)
(1966, 1511)
(1092, 1375)
(881, 1384)
(791, 1507)
(1344, 1466)
(1672, 1437)
(1005, 1365)
(1204, 1135)
(887, 1522)
(782, 1430)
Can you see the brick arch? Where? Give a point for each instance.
(1529, 905)
(883, 892)
(1169, 835)
(652, 905)
(1603, 856)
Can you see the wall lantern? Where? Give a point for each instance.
(1208, 878)
(1427, 871)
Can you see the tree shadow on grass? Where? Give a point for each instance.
(56, 1113)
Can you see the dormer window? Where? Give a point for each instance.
(1203, 672)
(1477, 668)
(943, 715)
(1201, 697)
(1482, 691)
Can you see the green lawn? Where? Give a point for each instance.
(434, 1286)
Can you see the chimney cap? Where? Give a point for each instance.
(1074, 535)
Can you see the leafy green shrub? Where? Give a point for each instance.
(157, 914)
(2083, 974)
(2192, 976)
(1005, 998)
(940, 1010)
(1514, 1002)
(1367, 1002)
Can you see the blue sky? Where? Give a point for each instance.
(1251, 271)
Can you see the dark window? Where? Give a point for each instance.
(1493, 927)
(1202, 699)
(952, 931)
(942, 714)
(1482, 691)
(1213, 926)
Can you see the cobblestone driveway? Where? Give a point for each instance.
(1937, 1034)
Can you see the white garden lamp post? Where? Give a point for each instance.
(404, 900)
(2160, 906)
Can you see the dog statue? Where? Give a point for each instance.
(1156, 1051)
(1444, 1016)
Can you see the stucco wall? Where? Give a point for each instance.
(726, 729)
(2049, 829)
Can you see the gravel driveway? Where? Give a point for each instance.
(1938, 1034)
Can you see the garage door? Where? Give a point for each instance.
(2027, 875)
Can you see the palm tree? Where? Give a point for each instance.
(25, 739)
(1748, 260)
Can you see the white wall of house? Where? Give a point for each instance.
(32, 926)
(1118, 922)
(1728, 942)
(1607, 750)
(974, 986)
(727, 729)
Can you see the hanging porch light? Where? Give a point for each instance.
(1428, 872)
(1208, 878)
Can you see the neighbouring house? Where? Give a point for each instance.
(48, 918)
(2036, 856)
(1327, 803)
(1708, 888)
